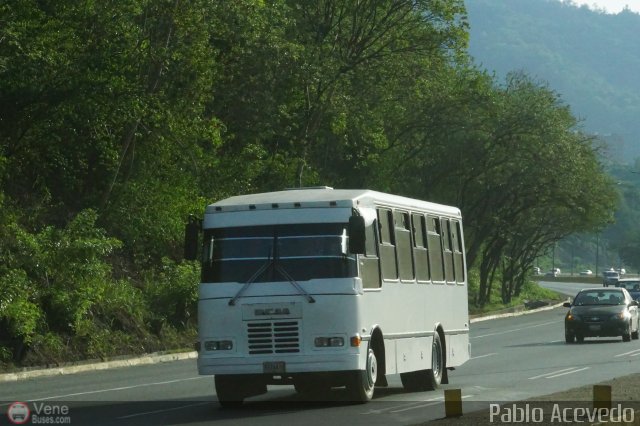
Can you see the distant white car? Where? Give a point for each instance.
(622, 271)
(586, 272)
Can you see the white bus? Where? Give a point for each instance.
(324, 288)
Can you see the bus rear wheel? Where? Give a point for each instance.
(426, 380)
(361, 383)
(434, 375)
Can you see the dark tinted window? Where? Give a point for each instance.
(303, 252)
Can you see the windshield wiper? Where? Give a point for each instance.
(294, 283)
(269, 263)
(272, 263)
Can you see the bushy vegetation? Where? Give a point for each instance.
(119, 119)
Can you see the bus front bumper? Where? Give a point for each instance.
(280, 365)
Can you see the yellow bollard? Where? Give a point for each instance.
(601, 397)
(453, 402)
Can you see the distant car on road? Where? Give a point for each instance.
(622, 271)
(610, 277)
(554, 272)
(596, 312)
(632, 285)
(586, 272)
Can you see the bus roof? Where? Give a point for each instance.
(325, 197)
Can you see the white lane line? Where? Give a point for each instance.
(483, 356)
(118, 389)
(628, 353)
(568, 372)
(553, 372)
(146, 413)
(514, 330)
(436, 402)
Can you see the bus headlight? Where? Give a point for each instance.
(218, 345)
(328, 342)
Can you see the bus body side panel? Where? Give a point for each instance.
(409, 328)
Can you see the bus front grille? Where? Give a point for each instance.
(273, 337)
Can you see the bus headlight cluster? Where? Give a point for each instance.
(329, 342)
(218, 345)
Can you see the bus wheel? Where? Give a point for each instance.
(434, 375)
(229, 391)
(361, 383)
(426, 380)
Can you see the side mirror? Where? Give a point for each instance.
(356, 235)
(191, 234)
(567, 304)
(634, 303)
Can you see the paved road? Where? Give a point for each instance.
(512, 358)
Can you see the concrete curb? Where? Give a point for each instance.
(160, 358)
(72, 369)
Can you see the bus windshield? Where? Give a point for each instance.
(304, 251)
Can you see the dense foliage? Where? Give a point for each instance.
(120, 118)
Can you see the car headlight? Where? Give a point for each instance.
(572, 317)
(622, 315)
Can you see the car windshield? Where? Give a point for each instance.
(599, 298)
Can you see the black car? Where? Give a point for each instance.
(602, 312)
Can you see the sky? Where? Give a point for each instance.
(611, 6)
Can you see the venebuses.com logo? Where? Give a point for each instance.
(18, 413)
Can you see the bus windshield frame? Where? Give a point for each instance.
(304, 251)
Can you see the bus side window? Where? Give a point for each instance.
(369, 263)
(420, 253)
(371, 240)
(435, 248)
(446, 251)
(387, 248)
(456, 243)
(403, 245)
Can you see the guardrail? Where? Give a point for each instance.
(568, 278)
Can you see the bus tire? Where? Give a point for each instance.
(427, 380)
(434, 374)
(361, 383)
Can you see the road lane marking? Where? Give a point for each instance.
(118, 389)
(514, 329)
(483, 356)
(410, 405)
(553, 372)
(568, 372)
(629, 353)
(436, 402)
(146, 413)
